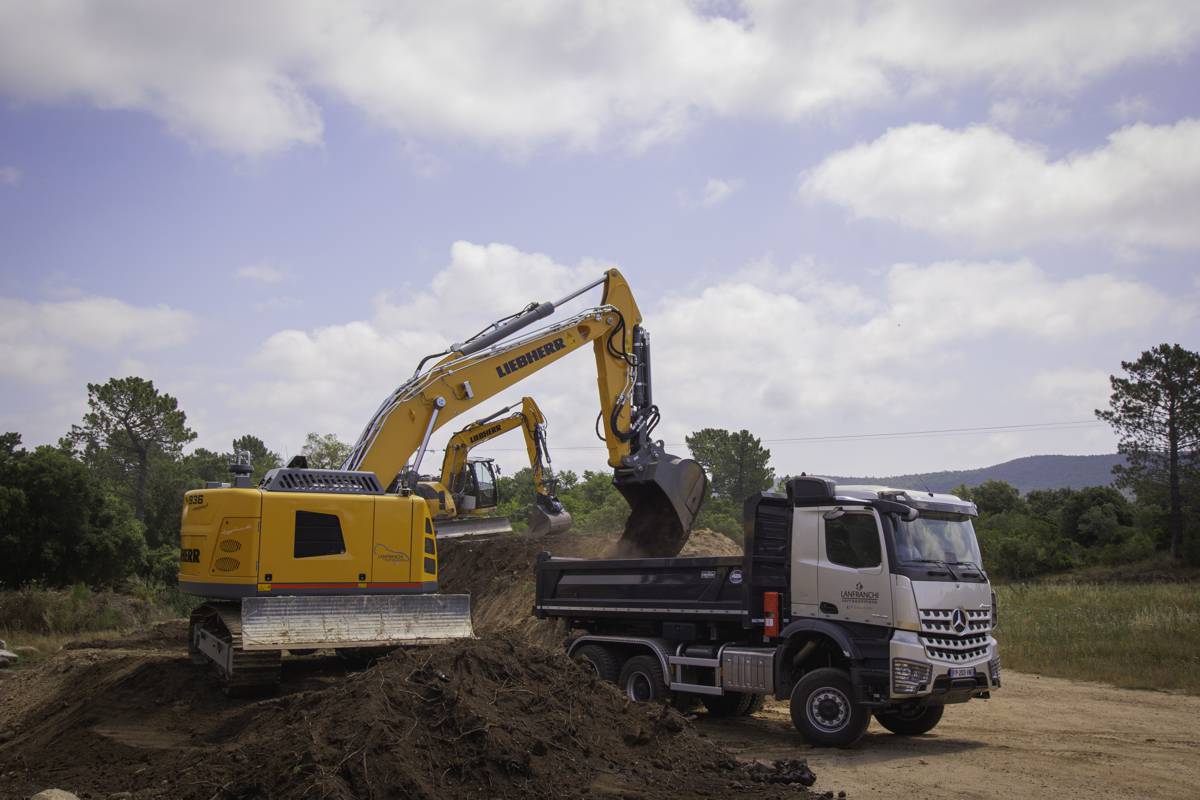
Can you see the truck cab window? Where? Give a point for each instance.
(852, 540)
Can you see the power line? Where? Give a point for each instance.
(847, 437)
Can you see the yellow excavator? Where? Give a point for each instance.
(348, 559)
(467, 489)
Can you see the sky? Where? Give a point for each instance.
(883, 237)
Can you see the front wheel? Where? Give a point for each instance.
(824, 711)
(911, 721)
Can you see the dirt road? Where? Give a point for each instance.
(1039, 737)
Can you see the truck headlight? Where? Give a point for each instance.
(909, 677)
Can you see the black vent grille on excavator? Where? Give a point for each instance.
(287, 479)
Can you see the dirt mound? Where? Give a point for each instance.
(499, 717)
(485, 718)
(705, 542)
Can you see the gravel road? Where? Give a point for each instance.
(1039, 737)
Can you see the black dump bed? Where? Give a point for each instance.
(700, 589)
(666, 591)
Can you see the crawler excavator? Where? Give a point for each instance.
(467, 487)
(347, 558)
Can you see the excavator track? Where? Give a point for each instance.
(215, 638)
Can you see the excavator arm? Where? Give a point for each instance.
(664, 491)
(548, 515)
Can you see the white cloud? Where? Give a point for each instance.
(775, 349)
(1076, 392)
(40, 340)
(247, 79)
(717, 191)
(1141, 188)
(1024, 112)
(262, 273)
(9, 176)
(1130, 107)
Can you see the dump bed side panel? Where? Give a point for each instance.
(695, 589)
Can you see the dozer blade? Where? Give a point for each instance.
(543, 522)
(365, 620)
(664, 493)
(471, 527)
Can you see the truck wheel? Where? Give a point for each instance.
(911, 721)
(824, 711)
(598, 660)
(642, 680)
(756, 704)
(730, 704)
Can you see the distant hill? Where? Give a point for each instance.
(1030, 472)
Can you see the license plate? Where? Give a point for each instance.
(962, 672)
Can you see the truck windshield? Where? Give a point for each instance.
(937, 536)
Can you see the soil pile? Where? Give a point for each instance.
(485, 718)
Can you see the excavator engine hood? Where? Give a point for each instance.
(664, 493)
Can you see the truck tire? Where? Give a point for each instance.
(730, 704)
(755, 705)
(642, 680)
(911, 721)
(824, 711)
(599, 660)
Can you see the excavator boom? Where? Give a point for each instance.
(664, 491)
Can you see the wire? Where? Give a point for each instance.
(841, 437)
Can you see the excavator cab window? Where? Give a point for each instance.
(484, 480)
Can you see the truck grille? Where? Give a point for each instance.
(955, 638)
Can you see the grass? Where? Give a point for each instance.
(46, 619)
(1138, 636)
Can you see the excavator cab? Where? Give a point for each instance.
(478, 486)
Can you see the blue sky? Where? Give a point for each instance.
(839, 219)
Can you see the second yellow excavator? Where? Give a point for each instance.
(467, 490)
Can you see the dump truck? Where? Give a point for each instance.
(347, 558)
(849, 602)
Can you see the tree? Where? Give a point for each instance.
(261, 459)
(1104, 499)
(737, 462)
(60, 524)
(324, 451)
(129, 423)
(997, 497)
(1156, 413)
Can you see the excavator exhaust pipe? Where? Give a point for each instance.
(664, 493)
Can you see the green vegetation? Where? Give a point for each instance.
(45, 619)
(1138, 636)
(102, 508)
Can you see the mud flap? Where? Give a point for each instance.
(664, 493)
(368, 620)
(548, 516)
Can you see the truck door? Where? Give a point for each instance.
(853, 583)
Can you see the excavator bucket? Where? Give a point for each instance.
(664, 493)
(472, 527)
(548, 516)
